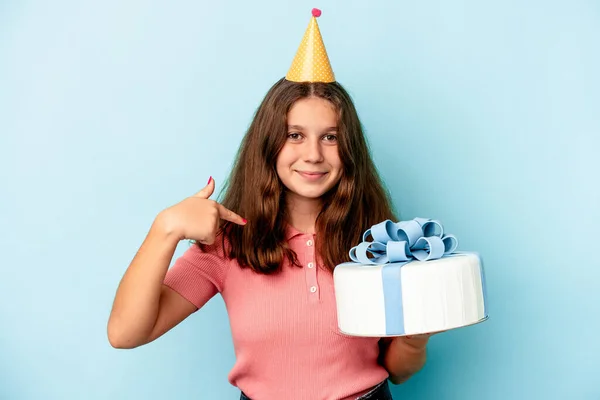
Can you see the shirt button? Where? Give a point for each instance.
(313, 289)
(309, 243)
(310, 265)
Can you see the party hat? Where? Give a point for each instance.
(311, 63)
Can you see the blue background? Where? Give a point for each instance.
(484, 115)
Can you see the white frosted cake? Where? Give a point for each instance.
(422, 288)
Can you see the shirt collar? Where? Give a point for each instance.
(291, 232)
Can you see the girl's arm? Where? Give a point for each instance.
(144, 308)
(404, 356)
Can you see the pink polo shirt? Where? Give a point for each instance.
(284, 326)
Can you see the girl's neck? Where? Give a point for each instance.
(302, 212)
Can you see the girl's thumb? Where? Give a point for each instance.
(208, 190)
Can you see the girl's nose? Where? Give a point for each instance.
(312, 151)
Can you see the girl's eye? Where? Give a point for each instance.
(330, 138)
(294, 135)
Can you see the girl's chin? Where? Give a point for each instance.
(307, 194)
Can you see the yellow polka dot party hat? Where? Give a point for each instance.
(311, 63)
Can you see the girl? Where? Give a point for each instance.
(302, 191)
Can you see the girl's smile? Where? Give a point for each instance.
(312, 176)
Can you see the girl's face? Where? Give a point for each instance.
(309, 163)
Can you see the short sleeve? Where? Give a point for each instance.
(198, 275)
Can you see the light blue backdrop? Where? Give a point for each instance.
(484, 115)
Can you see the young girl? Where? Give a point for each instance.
(301, 193)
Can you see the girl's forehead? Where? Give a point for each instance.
(317, 126)
(309, 110)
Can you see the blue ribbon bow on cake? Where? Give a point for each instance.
(420, 239)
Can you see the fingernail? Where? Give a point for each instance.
(244, 219)
(209, 179)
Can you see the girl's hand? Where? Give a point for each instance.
(197, 217)
(417, 340)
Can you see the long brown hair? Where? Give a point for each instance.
(254, 190)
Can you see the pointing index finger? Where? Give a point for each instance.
(229, 215)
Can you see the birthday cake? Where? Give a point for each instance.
(409, 280)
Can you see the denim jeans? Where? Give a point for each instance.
(379, 392)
